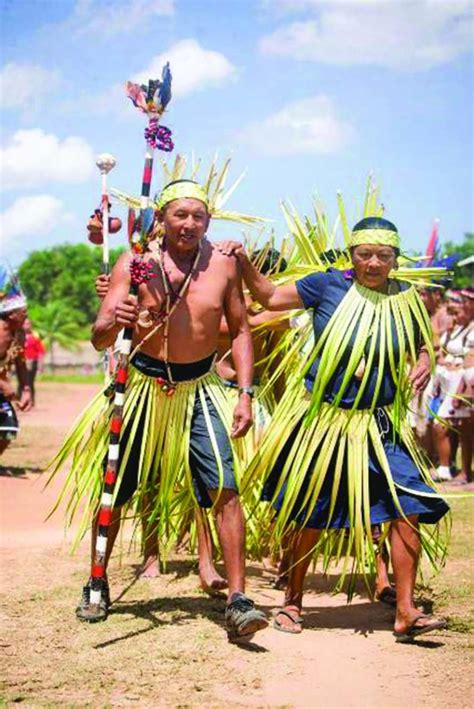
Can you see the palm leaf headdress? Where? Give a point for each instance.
(214, 182)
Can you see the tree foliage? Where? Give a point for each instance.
(463, 275)
(55, 324)
(64, 274)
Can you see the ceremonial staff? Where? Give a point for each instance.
(152, 101)
(105, 162)
(99, 227)
(100, 224)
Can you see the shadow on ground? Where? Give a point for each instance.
(15, 471)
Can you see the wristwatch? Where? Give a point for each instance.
(247, 390)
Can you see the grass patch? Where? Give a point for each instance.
(95, 378)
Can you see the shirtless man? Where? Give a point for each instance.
(210, 580)
(183, 350)
(12, 317)
(264, 340)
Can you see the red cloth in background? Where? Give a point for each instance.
(34, 348)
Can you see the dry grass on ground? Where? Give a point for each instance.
(164, 643)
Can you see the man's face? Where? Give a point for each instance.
(469, 308)
(185, 222)
(372, 264)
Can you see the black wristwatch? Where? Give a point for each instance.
(247, 390)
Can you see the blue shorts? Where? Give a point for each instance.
(202, 461)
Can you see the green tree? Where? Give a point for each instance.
(56, 325)
(65, 274)
(463, 275)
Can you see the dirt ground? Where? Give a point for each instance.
(164, 643)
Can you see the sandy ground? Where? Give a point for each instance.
(164, 643)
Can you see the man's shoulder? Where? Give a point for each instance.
(219, 260)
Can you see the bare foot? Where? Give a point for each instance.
(212, 582)
(288, 620)
(460, 479)
(150, 569)
(269, 564)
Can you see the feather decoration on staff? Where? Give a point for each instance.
(152, 101)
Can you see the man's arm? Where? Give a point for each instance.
(421, 372)
(264, 291)
(272, 321)
(26, 401)
(118, 309)
(241, 348)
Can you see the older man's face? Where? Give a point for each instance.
(185, 222)
(372, 264)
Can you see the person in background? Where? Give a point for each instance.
(12, 316)
(456, 345)
(34, 354)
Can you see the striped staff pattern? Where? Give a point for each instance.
(152, 100)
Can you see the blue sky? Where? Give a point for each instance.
(307, 96)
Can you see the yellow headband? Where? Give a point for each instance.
(379, 237)
(182, 190)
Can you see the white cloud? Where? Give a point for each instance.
(282, 7)
(25, 85)
(193, 68)
(302, 127)
(107, 18)
(406, 34)
(33, 157)
(28, 218)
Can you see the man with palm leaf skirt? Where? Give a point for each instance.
(176, 415)
(339, 454)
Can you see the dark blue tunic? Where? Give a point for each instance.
(323, 292)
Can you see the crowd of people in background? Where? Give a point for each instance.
(443, 415)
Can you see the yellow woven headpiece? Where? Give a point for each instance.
(182, 189)
(379, 237)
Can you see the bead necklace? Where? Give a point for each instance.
(172, 300)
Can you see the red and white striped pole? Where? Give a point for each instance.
(140, 272)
